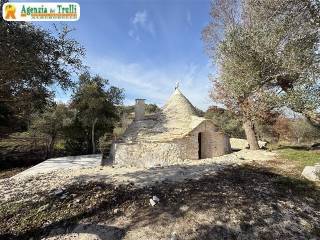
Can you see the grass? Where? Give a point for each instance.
(300, 158)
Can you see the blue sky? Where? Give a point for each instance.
(146, 46)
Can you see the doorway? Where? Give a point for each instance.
(199, 145)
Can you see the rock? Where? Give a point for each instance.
(238, 143)
(311, 173)
(64, 196)
(173, 236)
(152, 202)
(58, 192)
(116, 210)
(262, 144)
(44, 207)
(156, 199)
(269, 220)
(219, 223)
(47, 223)
(77, 200)
(315, 146)
(184, 208)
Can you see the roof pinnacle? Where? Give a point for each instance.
(177, 85)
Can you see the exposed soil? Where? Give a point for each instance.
(253, 200)
(11, 172)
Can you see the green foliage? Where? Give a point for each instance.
(125, 110)
(127, 116)
(300, 157)
(151, 108)
(129, 110)
(91, 114)
(32, 60)
(92, 101)
(226, 121)
(52, 120)
(95, 103)
(51, 123)
(302, 131)
(77, 138)
(268, 55)
(296, 130)
(119, 131)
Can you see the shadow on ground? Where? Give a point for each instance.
(236, 203)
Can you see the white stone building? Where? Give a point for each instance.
(172, 135)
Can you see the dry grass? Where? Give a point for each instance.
(260, 199)
(247, 202)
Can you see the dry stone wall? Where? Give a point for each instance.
(213, 142)
(148, 154)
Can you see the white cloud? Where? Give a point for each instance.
(153, 83)
(140, 18)
(141, 22)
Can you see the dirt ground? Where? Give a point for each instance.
(7, 173)
(245, 195)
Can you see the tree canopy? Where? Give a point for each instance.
(31, 61)
(267, 57)
(95, 103)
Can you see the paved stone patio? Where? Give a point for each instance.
(61, 163)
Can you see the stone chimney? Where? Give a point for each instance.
(139, 110)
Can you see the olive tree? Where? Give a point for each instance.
(95, 102)
(267, 57)
(32, 60)
(51, 123)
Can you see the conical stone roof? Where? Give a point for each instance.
(177, 118)
(179, 105)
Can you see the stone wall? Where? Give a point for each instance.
(139, 110)
(220, 144)
(214, 143)
(148, 154)
(238, 143)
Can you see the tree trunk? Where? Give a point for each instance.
(47, 148)
(299, 140)
(50, 146)
(92, 136)
(251, 135)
